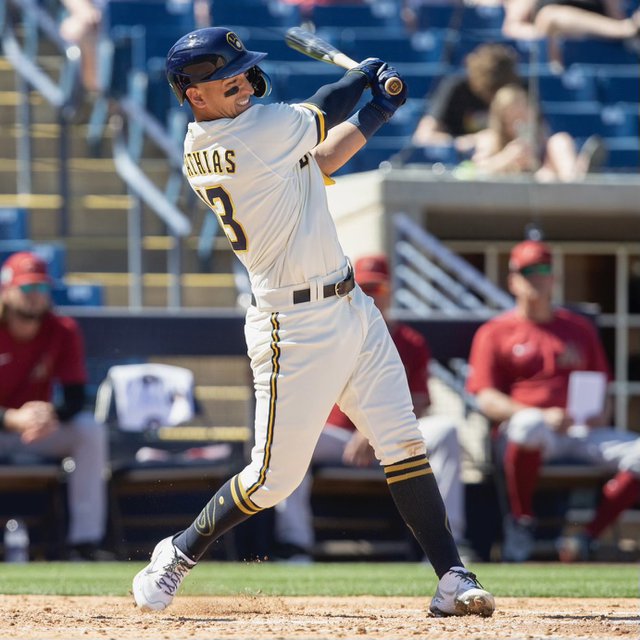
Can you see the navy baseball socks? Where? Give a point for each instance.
(155, 586)
(417, 497)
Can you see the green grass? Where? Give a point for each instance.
(336, 579)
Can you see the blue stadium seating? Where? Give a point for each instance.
(78, 295)
(435, 15)
(482, 18)
(253, 13)
(272, 44)
(617, 85)
(393, 47)
(14, 224)
(624, 153)
(422, 79)
(576, 84)
(585, 118)
(444, 154)
(594, 95)
(599, 52)
(140, 29)
(362, 15)
(300, 81)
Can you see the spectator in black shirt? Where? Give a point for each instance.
(460, 106)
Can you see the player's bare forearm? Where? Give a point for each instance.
(341, 144)
(497, 406)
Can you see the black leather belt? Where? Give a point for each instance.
(339, 289)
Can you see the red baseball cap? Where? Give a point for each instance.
(529, 253)
(23, 268)
(372, 271)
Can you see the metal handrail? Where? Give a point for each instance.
(64, 95)
(141, 189)
(469, 282)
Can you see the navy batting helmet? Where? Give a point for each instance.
(210, 54)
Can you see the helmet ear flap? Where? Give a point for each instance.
(260, 82)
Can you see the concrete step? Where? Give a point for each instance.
(86, 175)
(225, 405)
(45, 141)
(110, 253)
(42, 111)
(199, 290)
(88, 215)
(221, 371)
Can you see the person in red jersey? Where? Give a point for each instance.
(521, 363)
(341, 442)
(37, 350)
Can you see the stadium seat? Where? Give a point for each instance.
(253, 13)
(432, 154)
(422, 79)
(599, 52)
(623, 154)
(272, 44)
(435, 15)
(353, 15)
(577, 83)
(422, 47)
(14, 224)
(298, 82)
(482, 18)
(585, 118)
(617, 85)
(377, 150)
(78, 295)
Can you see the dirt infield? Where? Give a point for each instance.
(257, 617)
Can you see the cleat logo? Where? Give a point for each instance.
(206, 521)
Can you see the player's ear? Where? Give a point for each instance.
(195, 97)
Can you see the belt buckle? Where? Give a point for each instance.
(341, 287)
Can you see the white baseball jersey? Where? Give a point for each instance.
(256, 173)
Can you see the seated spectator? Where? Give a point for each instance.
(520, 365)
(37, 349)
(81, 26)
(341, 442)
(517, 141)
(555, 19)
(460, 105)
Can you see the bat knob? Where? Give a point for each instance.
(393, 86)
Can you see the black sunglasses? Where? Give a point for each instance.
(533, 269)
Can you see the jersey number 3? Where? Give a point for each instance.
(219, 201)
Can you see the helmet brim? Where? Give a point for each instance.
(248, 60)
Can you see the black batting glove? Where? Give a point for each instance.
(383, 101)
(369, 68)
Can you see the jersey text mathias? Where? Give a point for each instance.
(208, 161)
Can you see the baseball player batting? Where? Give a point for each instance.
(312, 335)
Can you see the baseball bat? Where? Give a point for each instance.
(311, 45)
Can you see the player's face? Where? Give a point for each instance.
(533, 286)
(26, 305)
(226, 98)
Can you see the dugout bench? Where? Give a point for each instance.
(138, 492)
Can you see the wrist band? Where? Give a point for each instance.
(368, 119)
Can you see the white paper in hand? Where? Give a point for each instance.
(586, 396)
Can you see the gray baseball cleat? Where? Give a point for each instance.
(155, 586)
(460, 594)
